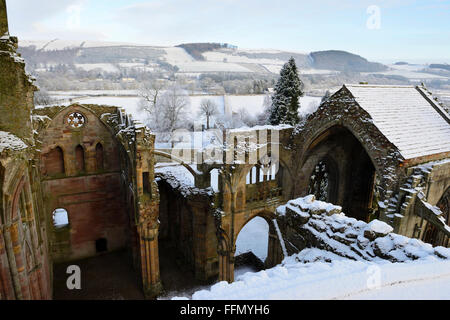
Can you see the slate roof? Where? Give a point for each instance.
(407, 116)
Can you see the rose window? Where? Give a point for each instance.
(76, 120)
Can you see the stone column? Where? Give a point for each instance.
(3, 18)
(226, 266)
(20, 262)
(150, 260)
(6, 286)
(275, 255)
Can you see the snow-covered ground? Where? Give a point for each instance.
(424, 289)
(339, 279)
(341, 273)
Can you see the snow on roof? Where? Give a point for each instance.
(406, 118)
(10, 142)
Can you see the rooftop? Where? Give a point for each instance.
(407, 116)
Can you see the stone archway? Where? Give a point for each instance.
(254, 245)
(227, 245)
(345, 170)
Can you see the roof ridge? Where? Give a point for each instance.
(378, 85)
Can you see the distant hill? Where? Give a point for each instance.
(218, 67)
(196, 50)
(440, 66)
(190, 57)
(343, 61)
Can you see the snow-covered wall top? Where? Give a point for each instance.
(306, 222)
(9, 141)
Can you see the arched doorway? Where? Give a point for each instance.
(252, 246)
(339, 170)
(176, 236)
(432, 234)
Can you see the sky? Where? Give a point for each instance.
(379, 30)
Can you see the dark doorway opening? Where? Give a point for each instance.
(342, 172)
(176, 251)
(101, 245)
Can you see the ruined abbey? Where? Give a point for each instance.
(378, 152)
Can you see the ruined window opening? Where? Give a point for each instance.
(273, 172)
(99, 156)
(22, 207)
(215, 179)
(260, 174)
(76, 120)
(101, 245)
(54, 161)
(79, 158)
(319, 182)
(146, 182)
(60, 218)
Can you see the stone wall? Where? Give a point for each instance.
(16, 92)
(89, 188)
(24, 260)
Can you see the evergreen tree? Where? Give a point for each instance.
(285, 101)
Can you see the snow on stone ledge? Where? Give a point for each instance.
(178, 177)
(301, 206)
(379, 227)
(9, 141)
(324, 226)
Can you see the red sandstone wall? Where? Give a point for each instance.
(91, 194)
(96, 210)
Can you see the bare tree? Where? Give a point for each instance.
(173, 105)
(165, 108)
(42, 98)
(208, 109)
(150, 93)
(246, 118)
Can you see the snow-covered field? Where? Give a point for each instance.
(253, 104)
(207, 66)
(107, 67)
